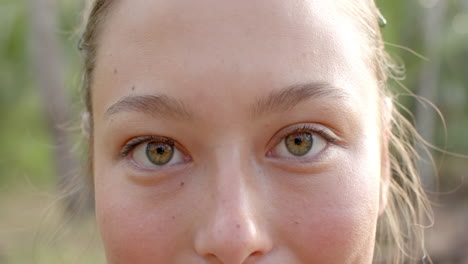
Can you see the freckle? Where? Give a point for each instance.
(182, 183)
(173, 217)
(296, 222)
(115, 71)
(133, 88)
(238, 226)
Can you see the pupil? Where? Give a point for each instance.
(299, 144)
(159, 153)
(298, 141)
(160, 150)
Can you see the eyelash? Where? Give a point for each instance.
(309, 128)
(134, 142)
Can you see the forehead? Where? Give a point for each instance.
(213, 47)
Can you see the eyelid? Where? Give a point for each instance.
(131, 144)
(326, 133)
(127, 153)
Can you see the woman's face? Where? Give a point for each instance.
(235, 132)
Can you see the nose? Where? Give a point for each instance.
(232, 231)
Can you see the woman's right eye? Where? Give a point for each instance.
(153, 154)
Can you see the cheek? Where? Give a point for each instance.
(133, 222)
(333, 219)
(131, 232)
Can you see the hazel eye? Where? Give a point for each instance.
(300, 144)
(159, 153)
(156, 153)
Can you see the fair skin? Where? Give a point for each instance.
(208, 76)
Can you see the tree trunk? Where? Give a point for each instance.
(49, 68)
(429, 82)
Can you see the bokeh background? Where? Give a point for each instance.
(40, 108)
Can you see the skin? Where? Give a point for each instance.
(232, 199)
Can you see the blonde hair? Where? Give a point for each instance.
(400, 233)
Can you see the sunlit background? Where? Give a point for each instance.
(39, 124)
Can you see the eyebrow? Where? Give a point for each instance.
(287, 98)
(155, 105)
(277, 101)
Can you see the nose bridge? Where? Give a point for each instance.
(231, 233)
(231, 172)
(234, 203)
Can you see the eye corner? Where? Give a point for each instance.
(131, 144)
(269, 154)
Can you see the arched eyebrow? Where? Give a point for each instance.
(277, 101)
(285, 99)
(154, 105)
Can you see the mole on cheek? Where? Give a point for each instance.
(115, 71)
(133, 88)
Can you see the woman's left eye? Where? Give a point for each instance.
(300, 144)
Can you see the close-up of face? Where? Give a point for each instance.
(236, 132)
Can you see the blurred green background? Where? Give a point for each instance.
(40, 105)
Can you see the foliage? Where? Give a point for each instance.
(26, 150)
